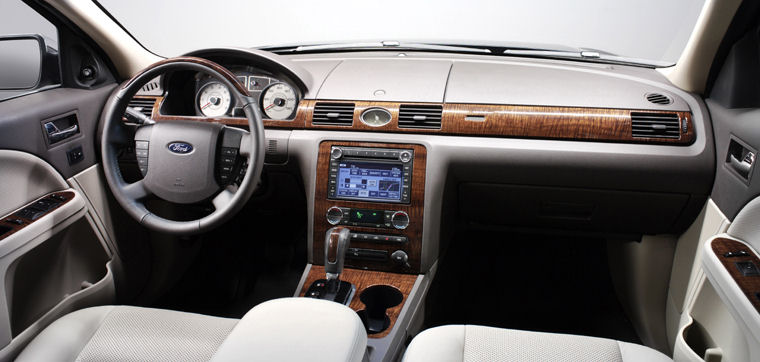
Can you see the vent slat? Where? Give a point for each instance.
(420, 116)
(336, 114)
(655, 125)
(658, 98)
(145, 106)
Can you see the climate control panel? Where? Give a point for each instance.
(387, 219)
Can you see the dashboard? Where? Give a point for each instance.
(491, 142)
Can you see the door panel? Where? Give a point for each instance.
(22, 119)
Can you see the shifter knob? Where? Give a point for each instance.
(336, 244)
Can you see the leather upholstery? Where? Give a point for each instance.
(288, 329)
(122, 333)
(296, 329)
(457, 343)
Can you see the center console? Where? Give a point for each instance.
(376, 190)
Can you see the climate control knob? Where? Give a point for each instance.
(400, 220)
(334, 215)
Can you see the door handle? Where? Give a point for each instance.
(54, 134)
(744, 166)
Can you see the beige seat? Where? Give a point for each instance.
(286, 329)
(457, 343)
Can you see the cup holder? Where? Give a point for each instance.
(377, 299)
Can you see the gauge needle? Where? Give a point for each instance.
(269, 106)
(206, 105)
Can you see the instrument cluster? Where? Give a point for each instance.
(277, 99)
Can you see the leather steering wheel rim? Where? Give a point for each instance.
(226, 202)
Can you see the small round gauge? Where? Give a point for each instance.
(376, 117)
(279, 101)
(214, 99)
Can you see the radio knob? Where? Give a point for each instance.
(400, 220)
(405, 156)
(336, 153)
(400, 257)
(334, 215)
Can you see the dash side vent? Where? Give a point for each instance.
(655, 125)
(144, 105)
(335, 114)
(659, 98)
(420, 116)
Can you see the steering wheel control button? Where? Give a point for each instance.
(400, 220)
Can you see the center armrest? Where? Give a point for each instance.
(296, 329)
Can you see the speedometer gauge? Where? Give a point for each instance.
(214, 99)
(279, 101)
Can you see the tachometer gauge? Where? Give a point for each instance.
(214, 99)
(279, 101)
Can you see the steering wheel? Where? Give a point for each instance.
(184, 161)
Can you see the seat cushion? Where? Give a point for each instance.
(456, 343)
(122, 333)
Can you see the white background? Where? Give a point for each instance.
(648, 29)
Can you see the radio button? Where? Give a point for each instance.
(405, 156)
(336, 153)
(334, 215)
(400, 220)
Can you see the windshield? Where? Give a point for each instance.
(653, 30)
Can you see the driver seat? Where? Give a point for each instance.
(124, 333)
(321, 330)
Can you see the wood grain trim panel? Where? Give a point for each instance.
(566, 123)
(569, 123)
(14, 228)
(413, 247)
(750, 285)
(364, 279)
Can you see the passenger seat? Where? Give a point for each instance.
(457, 343)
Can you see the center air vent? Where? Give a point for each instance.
(658, 98)
(144, 105)
(655, 125)
(420, 116)
(336, 114)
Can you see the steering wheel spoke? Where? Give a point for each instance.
(136, 190)
(224, 198)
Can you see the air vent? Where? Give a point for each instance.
(655, 125)
(658, 98)
(420, 116)
(336, 114)
(144, 105)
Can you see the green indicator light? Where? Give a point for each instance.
(359, 215)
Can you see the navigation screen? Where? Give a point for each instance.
(369, 181)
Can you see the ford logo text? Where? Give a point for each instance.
(180, 147)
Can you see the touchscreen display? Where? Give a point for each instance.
(369, 181)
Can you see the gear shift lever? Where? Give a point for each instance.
(336, 243)
(332, 288)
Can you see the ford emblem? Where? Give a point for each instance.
(180, 147)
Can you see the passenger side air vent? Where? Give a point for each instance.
(335, 114)
(658, 98)
(655, 125)
(144, 105)
(420, 116)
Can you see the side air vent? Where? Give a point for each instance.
(144, 105)
(655, 125)
(659, 98)
(336, 114)
(420, 116)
